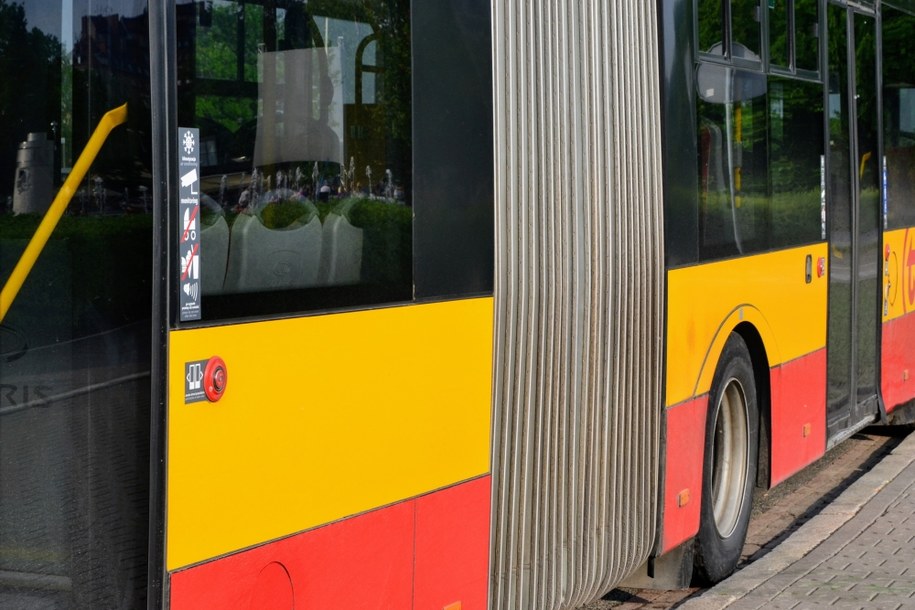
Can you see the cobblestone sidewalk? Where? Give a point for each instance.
(858, 553)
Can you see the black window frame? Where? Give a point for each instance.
(764, 64)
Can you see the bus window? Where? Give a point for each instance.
(305, 126)
(745, 28)
(733, 180)
(779, 34)
(711, 27)
(795, 151)
(75, 352)
(800, 39)
(899, 118)
(806, 38)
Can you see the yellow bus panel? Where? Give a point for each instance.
(323, 417)
(707, 301)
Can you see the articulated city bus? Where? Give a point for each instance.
(436, 304)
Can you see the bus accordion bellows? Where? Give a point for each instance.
(437, 305)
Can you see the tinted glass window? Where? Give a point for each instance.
(899, 117)
(868, 222)
(733, 182)
(779, 34)
(840, 220)
(796, 154)
(75, 343)
(760, 155)
(806, 35)
(745, 29)
(304, 111)
(711, 27)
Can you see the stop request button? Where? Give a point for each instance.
(215, 378)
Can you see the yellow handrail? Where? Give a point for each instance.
(21, 271)
(864, 159)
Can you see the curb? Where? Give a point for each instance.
(811, 534)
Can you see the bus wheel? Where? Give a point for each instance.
(729, 469)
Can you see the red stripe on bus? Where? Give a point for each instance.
(452, 547)
(683, 471)
(798, 414)
(898, 366)
(418, 553)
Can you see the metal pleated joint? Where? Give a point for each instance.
(579, 294)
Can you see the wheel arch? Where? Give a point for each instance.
(730, 462)
(760, 360)
(752, 325)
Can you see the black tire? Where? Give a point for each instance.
(729, 467)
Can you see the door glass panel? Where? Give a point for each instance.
(899, 117)
(711, 27)
(304, 112)
(806, 34)
(75, 344)
(869, 175)
(745, 29)
(779, 34)
(795, 157)
(839, 221)
(733, 162)
(760, 157)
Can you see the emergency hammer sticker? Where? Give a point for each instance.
(193, 381)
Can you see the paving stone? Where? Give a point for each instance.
(865, 561)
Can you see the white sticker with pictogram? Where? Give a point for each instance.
(189, 224)
(193, 381)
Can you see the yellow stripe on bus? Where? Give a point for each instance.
(707, 301)
(324, 417)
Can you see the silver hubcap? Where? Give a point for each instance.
(730, 457)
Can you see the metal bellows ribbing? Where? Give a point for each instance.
(579, 294)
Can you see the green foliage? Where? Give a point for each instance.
(217, 43)
(22, 226)
(785, 219)
(778, 34)
(283, 214)
(711, 29)
(101, 265)
(216, 58)
(898, 47)
(387, 250)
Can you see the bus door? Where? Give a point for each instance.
(76, 315)
(853, 218)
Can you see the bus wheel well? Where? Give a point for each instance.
(763, 397)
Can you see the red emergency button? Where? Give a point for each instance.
(821, 266)
(887, 252)
(215, 378)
